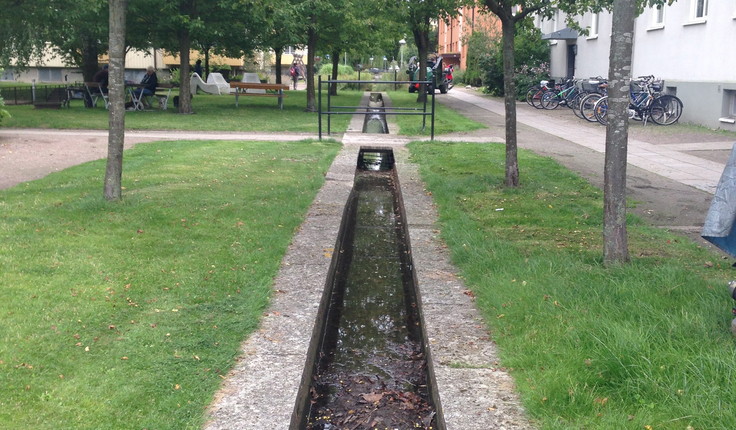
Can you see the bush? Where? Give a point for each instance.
(342, 70)
(479, 44)
(175, 76)
(531, 58)
(3, 112)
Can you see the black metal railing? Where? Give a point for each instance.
(358, 110)
(26, 95)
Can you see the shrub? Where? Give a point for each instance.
(479, 44)
(342, 70)
(3, 113)
(531, 55)
(175, 76)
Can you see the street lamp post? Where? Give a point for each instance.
(402, 43)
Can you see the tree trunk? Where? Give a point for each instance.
(615, 243)
(90, 54)
(311, 47)
(206, 62)
(335, 70)
(116, 87)
(278, 52)
(509, 98)
(421, 39)
(185, 96)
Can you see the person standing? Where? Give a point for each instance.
(198, 68)
(294, 72)
(102, 77)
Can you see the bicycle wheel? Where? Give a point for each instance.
(570, 97)
(530, 93)
(537, 98)
(575, 104)
(587, 105)
(550, 100)
(665, 110)
(601, 110)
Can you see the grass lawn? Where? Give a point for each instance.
(446, 120)
(218, 113)
(126, 315)
(646, 345)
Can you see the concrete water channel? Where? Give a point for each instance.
(474, 391)
(367, 365)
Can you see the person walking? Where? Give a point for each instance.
(294, 72)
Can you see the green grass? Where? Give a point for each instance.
(218, 113)
(642, 344)
(446, 119)
(211, 113)
(126, 315)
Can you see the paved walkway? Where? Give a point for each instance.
(671, 161)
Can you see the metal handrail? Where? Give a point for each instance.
(331, 110)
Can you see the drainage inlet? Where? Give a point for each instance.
(368, 364)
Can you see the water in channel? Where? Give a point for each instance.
(371, 369)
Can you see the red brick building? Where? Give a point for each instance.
(453, 35)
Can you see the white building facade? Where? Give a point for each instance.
(691, 45)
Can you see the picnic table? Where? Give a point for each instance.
(271, 90)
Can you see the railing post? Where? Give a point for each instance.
(432, 129)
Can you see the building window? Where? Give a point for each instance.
(49, 75)
(698, 10)
(657, 17)
(729, 107)
(7, 75)
(593, 33)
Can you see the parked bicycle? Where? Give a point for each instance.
(646, 103)
(535, 93)
(564, 95)
(594, 85)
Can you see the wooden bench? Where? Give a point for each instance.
(271, 90)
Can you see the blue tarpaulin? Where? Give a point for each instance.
(719, 223)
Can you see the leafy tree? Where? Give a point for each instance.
(507, 13)
(419, 16)
(81, 45)
(531, 53)
(23, 40)
(281, 28)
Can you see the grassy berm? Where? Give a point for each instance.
(643, 345)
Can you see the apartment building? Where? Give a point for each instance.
(453, 34)
(688, 44)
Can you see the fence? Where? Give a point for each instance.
(27, 95)
(353, 110)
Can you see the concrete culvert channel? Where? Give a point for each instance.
(375, 118)
(367, 365)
